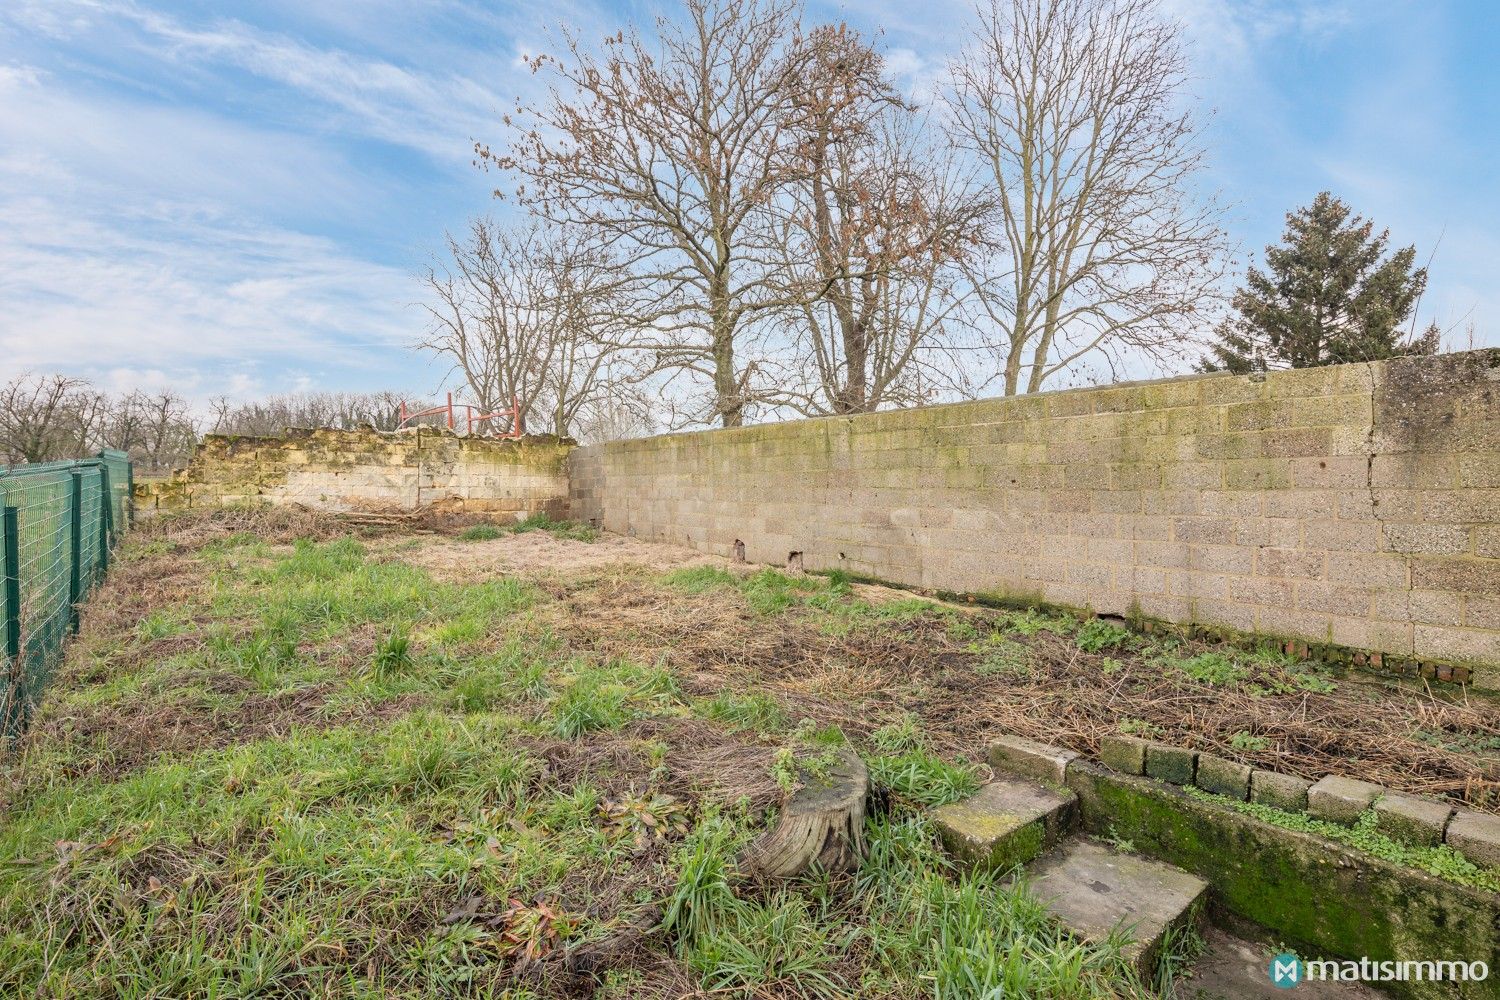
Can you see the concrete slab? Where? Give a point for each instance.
(1231, 968)
(1093, 889)
(1007, 822)
(1341, 800)
(1031, 759)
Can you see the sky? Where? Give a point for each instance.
(235, 198)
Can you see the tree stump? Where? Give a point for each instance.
(823, 823)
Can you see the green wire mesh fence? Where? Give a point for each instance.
(60, 520)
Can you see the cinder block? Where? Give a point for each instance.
(1427, 539)
(1412, 820)
(1223, 777)
(1284, 791)
(1341, 800)
(1126, 754)
(1169, 763)
(1476, 836)
(1020, 755)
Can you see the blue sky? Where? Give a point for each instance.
(234, 198)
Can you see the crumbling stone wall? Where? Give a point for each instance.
(1354, 509)
(371, 470)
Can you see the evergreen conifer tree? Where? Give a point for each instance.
(1329, 296)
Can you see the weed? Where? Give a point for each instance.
(591, 702)
(392, 657)
(1002, 656)
(482, 532)
(922, 778)
(571, 530)
(784, 770)
(1097, 634)
(1215, 669)
(160, 625)
(705, 866)
(1247, 742)
(752, 711)
(899, 737)
(698, 579)
(1032, 621)
(1140, 727)
(781, 943)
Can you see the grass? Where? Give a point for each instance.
(571, 530)
(312, 769)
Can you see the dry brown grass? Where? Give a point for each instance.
(1364, 728)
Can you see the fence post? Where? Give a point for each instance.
(106, 518)
(11, 534)
(129, 494)
(75, 546)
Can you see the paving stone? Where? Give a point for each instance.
(1007, 822)
(1412, 820)
(1341, 800)
(1284, 791)
(1476, 836)
(1223, 777)
(1171, 763)
(1093, 891)
(1030, 758)
(1126, 754)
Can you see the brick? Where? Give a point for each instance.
(1476, 836)
(1284, 791)
(1126, 754)
(1341, 800)
(1412, 820)
(1223, 777)
(1169, 763)
(1028, 757)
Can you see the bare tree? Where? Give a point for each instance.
(873, 230)
(338, 410)
(671, 153)
(533, 315)
(41, 417)
(1073, 107)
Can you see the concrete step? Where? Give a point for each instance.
(1094, 890)
(1007, 822)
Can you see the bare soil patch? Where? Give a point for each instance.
(534, 553)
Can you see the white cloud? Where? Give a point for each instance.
(431, 111)
(132, 248)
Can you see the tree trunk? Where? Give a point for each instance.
(822, 823)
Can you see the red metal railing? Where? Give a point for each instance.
(488, 423)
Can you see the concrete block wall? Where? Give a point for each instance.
(1355, 507)
(367, 469)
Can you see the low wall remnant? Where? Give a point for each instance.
(371, 470)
